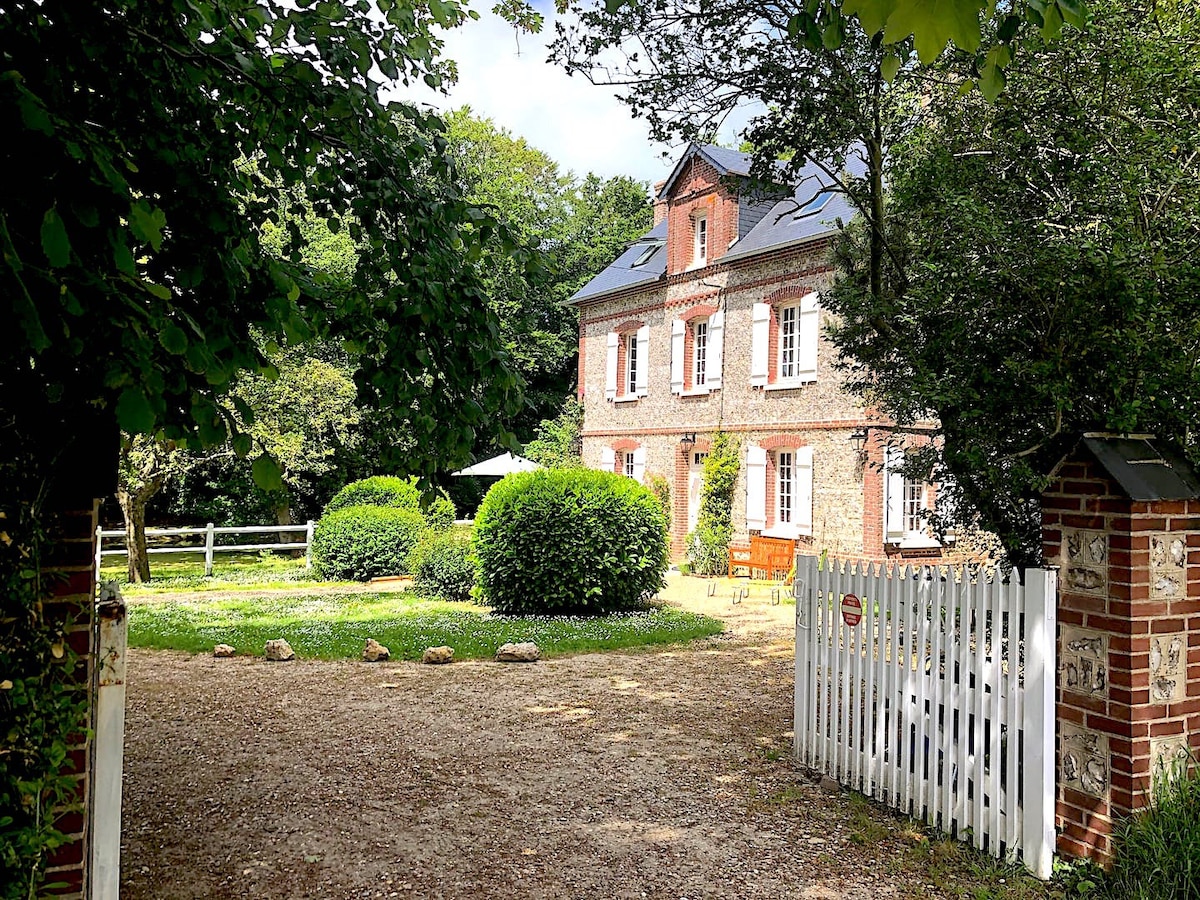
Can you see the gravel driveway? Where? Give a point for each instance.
(625, 775)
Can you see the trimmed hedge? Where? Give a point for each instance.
(399, 493)
(569, 541)
(362, 542)
(442, 565)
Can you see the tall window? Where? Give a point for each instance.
(631, 362)
(913, 504)
(629, 470)
(701, 256)
(699, 352)
(789, 341)
(785, 469)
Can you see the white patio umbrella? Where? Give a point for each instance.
(499, 466)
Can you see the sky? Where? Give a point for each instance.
(581, 126)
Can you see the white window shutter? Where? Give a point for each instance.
(610, 369)
(760, 344)
(639, 465)
(716, 344)
(802, 510)
(810, 329)
(608, 459)
(893, 495)
(643, 359)
(756, 488)
(678, 328)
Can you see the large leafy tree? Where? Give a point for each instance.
(577, 225)
(1044, 276)
(133, 259)
(145, 146)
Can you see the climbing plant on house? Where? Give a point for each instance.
(708, 544)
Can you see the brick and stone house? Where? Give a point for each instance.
(713, 321)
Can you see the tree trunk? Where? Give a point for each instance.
(133, 509)
(283, 516)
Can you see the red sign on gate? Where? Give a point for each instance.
(851, 610)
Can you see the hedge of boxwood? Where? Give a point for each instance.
(442, 565)
(569, 541)
(361, 542)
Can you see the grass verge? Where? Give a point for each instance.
(171, 573)
(335, 626)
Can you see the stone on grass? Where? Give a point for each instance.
(523, 652)
(373, 651)
(223, 651)
(435, 656)
(278, 651)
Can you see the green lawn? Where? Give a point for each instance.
(335, 626)
(170, 572)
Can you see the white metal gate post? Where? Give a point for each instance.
(108, 748)
(308, 538)
(802, 590)
(1037, 840)
(208, 550)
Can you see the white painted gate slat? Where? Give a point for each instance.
(940, 701)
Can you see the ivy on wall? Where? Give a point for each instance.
(708, 545)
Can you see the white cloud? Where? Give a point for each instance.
(581, 126)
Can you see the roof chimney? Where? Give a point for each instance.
(660, 206)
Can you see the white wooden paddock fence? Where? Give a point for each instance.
(939, 702)
(210, 546)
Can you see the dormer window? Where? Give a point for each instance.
(700, 257)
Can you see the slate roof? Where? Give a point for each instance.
(782, 226)
(1145, 467)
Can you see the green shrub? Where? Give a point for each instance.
(378, 490)
(708, 549)
(361, 542)
(1158, 850)
(569, 541)
(443, 565)
(398, 493)
(661, 489)
(708, 545)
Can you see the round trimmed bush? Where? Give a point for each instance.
(361, 542)
(399, 493)
(378, 490)
(442, 565)
(569, 541)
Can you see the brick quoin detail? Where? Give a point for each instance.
(582, 367)
(1119, 584)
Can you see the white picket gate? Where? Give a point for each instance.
(940, 701)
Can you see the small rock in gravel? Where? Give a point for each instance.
(524, 652)
(373, 651)
(437, 655)
(223, 651)
(830, 785)
(278, 651)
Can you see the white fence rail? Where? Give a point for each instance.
(210, 547)
(939, 702)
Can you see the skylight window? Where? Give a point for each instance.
(815, 205)
(644, 256)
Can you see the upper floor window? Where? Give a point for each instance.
(783, 343)
(631, 363)
(789, 341)
(700, 256)
(627, 363)
(696, 350)
(699, 352)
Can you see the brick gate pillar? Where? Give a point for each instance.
(1121, 520)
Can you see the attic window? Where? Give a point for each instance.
(815, 205)
(645, 256)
